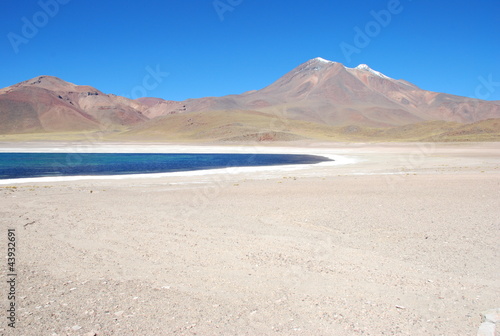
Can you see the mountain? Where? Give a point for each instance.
(319, 99)
(49, 104)
(329, 93)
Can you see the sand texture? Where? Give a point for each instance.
(402, 239)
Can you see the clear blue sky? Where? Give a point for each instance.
(444, 46)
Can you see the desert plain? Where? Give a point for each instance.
(388, 239)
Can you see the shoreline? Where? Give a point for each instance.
(335, 160)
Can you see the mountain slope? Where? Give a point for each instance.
(49, 104)
(330, 93)
(319, 99)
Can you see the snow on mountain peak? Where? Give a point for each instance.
(320, 59)
(315, 64)
(365, 67)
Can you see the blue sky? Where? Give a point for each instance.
(198, 48)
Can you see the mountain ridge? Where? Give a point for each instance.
(318, 92)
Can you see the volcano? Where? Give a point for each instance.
(317, 99)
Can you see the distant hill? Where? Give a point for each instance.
(319, 99)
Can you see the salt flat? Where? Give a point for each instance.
(391, 238)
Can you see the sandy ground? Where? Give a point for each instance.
(400, 239)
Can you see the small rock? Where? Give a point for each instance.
(119, 313)
(490, 318)
(492, 315)
(486, 329)
(76, 327)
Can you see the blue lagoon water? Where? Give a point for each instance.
(23, 165)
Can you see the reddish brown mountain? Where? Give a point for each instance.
(317, 96)
(49, 104)
(329, 93)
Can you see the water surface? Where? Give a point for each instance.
(23, 165)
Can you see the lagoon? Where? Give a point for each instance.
(28, 165)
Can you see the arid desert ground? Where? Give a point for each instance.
(391, 239)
